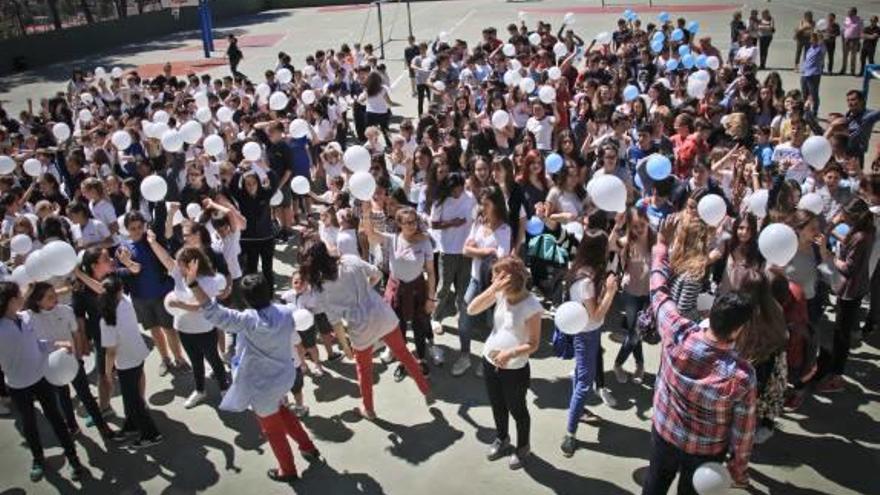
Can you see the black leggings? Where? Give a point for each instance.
(381, 120)
(201, 347)
(424, 93)
(834, 362)
(81, 385)
(137, 416)
(44, 392)
(507, 395)
(262, 251)
(764, 49)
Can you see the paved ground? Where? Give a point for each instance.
(826, 448)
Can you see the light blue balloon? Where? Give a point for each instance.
(694, 27)
(701, 61)
(658, 167)
(656, 46)
(630, 93)
(677, 35)
(627, 14)
(671, 64)
(535, 226)
(663, 17)
(684, 50)
(841, 230)
(688, 61)
(658, 35)
(767, 156)
(553, 163)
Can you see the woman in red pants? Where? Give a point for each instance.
(345, 285)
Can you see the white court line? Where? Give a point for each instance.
(451, 30)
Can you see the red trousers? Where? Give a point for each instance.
(276, 428)
(364, 360)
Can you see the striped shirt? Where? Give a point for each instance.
(705, 396)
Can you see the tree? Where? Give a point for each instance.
(121, 8)
(87, 11)
(56, 16)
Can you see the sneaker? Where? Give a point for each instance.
(194, 399)
(639, 374)
(299, 411)
(317, 372)
(831, 384)
(165, 367)
(112, 436)
(763, 434)
(607, 398)
(518, 458)
(423, 366)
(334, 356)
(461, 365)
(437, 355)
(498, 449)
(36, 471)
(313, 455)
(437, 328)
(590, 417)
(399, 373)
(569, 445)
(386, 357)
(274, 475)
(143, 443)
(620, 374)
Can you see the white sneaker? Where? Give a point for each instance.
(194, 399)
(387, 357)
(461, 365)
(620, 374)
(607, 398)
(437, 355)
(639, 374)
(299, 411)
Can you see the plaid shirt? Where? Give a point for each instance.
(705, 396)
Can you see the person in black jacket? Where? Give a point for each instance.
(235, 56)
(257, 239)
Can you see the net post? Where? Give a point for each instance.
(409, 18)
(381, 30)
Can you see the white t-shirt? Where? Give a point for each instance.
(125, 336)
(193, 321)
(328, 235)
(347, 243)
(509, 329)
(57, 324)
(230, 246)
(583, 290)
(103, 210)
(451, 240)
(377, 103)
(543, 131)
(407, 260)
(499, 239)
(566, 202)
(92, 232)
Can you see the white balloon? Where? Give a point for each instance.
(696, 88)
(173, 311)
(20, 277)
(758, 202)
(203, 115)
(821, 25)
(500, 119)
(121, 139)
(440, 86)
(712, 209)
(263, 90)
(535, 39)
(527, 85)
(161, 116)
(712, 478)
(508, 50)
(154, 188)
(276, 199)
(284, 75)
(499, 341)
(303, 319)
(100, 72)
(85, 115)
(60, 258)
(701, 75)
(116, 73)
(608, 193)
(193, 211)
(225, 114)
(308, 97)
(362, 185)
(603, 38)
(713, 62)
(443, 36)
(575, 228)
(251, 151)
(36, 268)
(299, 128)
(514, 64)
(61, 131)
(32, 167)
(512, 78)
(571, 318)
(357, 158)
(214, 145)
(816, 151)
(554, 73)
(21, 244)
(191, 132)
(7, 165)
(568, 20)
(62, 367)
(547, 94)
(201, 99)
(778, 243)
(559, 49)
(811, 202)
(159, 130)
(172, 141)
(278, 101)
(300, 185)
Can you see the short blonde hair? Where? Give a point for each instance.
(515, 268)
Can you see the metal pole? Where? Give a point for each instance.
(204, 28)
(209, 21)
(409, 18)
(381, 31)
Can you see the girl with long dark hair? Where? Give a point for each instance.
(376, 97)
(741, 252)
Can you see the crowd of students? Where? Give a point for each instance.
(483, 208)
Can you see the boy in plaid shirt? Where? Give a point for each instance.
(704, 399)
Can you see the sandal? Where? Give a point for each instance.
(274, 475)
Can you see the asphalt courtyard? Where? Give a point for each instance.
(829, 446)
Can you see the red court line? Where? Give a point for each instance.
(181, 67)
(341, 8)
(248, 41)
(637, 8)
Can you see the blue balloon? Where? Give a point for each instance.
(535, 226)
(663, 17)
(684, 50)
(671, 64)
(630, 93)
(840, 231)
(657, 46)
(553, 163)
(677, 35)
(627, 14)
(694, 27)
(701, 61)
(688, 61)
(658, 167)
(658, 35)
(767, 156)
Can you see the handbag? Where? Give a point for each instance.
(646, 326)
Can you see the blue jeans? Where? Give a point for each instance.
(467, 323)
(586, 354)
(810, 87)
(633, 343)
